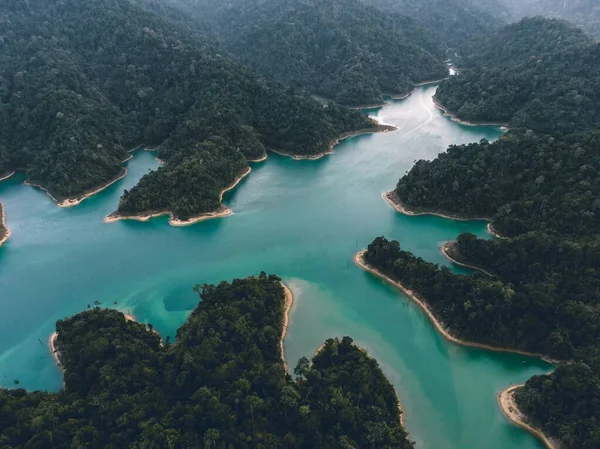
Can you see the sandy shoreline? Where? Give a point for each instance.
(452, 116)
(389, 198)
(507, 403)
(6, 235)
(54, 350)
(260, 159)
(5, 177)
(359, 260)
(289, 301)
(221, 212)
(445, 250)
(379, 129)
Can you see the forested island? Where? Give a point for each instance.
(221, 384)
(541, 74)
(71, 110)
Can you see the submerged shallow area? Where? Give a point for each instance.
(303, 220)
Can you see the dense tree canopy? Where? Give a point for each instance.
(76, 94)
(455, 23)
(220, 385)
(523, 182)
(584, 13)
(566, 404)
(540, 74)
(348, 51)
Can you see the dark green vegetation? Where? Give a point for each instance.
(539, 186)
(516, 310)
(565, 404)
(523, 182)
(347, 51)
(455, 23)
(81, 82)
(541, 74)
(221, 385)
(542, 298)
(584, 13)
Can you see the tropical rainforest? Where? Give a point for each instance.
(541, 74)
(541, 298)
(76, 95)
(584, 13)
(222, 384)
(349, 51)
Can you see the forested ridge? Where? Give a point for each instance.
(454, 23)
(222, 384)
(541, 74)
(349, 51)
(584, 13)
(76, 95)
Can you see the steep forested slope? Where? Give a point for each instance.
(83, 81)
(222, 384)
(541, 74)
(348, 51)
(455, 22)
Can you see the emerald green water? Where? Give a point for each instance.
(302, 220)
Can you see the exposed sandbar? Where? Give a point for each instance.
(452, 116)
(446, 250)
(289, 301)
(4, 231)
(359, 260)
(173, 221)
(508, 404)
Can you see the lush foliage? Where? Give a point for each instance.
(455, 23)
(523, 182)
(540, 74)
(584, 13)
(487, 309)
(348, 51)
(76, 94)
(221, 385)
(566, 404)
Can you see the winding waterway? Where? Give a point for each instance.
(303, 220)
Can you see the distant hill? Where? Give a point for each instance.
(348, 51)
(456, 22)
(543, 74)
(584, 13)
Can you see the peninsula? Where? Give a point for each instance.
(226, 361)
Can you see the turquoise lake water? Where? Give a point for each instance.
(303, 220)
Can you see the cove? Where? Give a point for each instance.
(303, 220)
